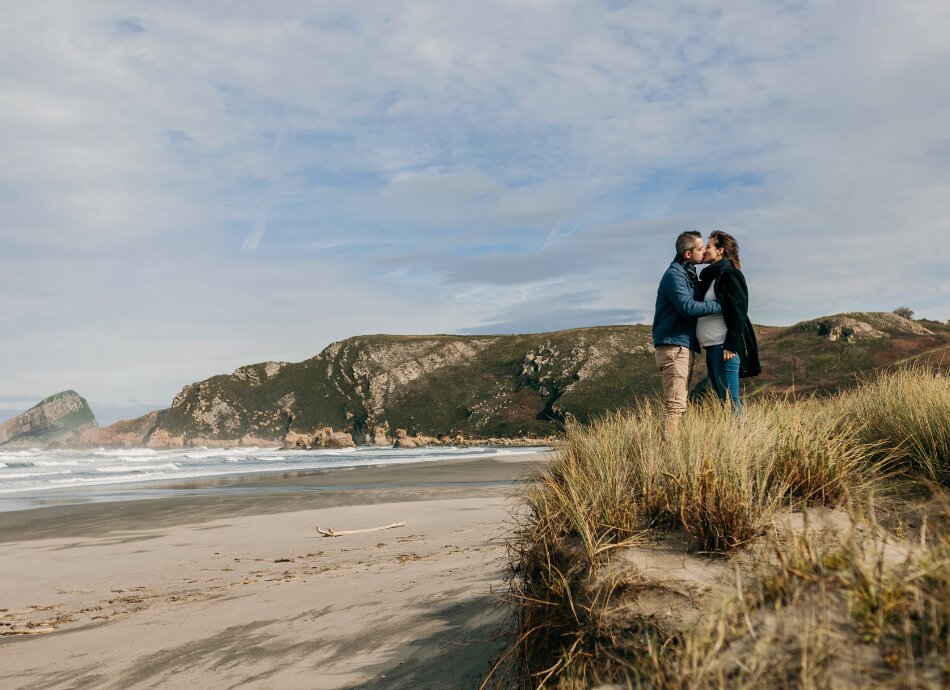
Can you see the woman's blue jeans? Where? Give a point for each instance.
(724, 376)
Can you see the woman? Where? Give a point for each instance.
(731, 350)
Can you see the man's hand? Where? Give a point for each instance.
(726, 355)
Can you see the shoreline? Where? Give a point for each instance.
(174, 501)
(234, 586)
(151, 487)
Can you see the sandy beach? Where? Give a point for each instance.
(234, 587)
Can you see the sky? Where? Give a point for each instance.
(189, 187)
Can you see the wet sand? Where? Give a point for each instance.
(231, 585)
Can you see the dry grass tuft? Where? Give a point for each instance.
(721, 479)
(904, 416)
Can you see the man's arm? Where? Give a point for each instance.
(678, 291)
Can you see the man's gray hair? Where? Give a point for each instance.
(686, 242)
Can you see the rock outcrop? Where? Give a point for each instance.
(323, 438)
(404, 440)
(856, 326)
(58, 419)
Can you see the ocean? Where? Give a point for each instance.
(35, 472)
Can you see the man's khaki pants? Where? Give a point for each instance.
(676, 367)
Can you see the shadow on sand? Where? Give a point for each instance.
(459, 655)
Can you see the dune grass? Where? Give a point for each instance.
(905, 416)
(718, 481)
(717, 477)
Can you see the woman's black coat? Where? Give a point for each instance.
(733, 294)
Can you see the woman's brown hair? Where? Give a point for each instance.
(728, 244)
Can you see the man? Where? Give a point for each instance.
(674, 325)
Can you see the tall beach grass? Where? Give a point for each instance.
(904, 416)
(718, 481)
(716, 477)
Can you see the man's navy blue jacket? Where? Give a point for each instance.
(674, 321)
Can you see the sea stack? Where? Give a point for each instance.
(56, 419)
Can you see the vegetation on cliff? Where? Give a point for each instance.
(807, 547)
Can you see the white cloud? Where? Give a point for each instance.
(188, 186)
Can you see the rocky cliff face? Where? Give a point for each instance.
(59, 418)
(454, 389)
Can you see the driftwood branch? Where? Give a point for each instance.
(331, 533)
(72, 591)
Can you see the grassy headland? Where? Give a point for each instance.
(807, 546)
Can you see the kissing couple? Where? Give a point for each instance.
(708, 311)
